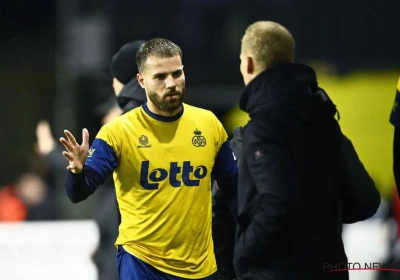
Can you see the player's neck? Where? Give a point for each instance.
(152, 108)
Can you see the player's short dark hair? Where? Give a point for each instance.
(157, 47)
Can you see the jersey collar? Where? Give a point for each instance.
(162, 118)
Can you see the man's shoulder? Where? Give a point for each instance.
(114, 123)
(262, 129)
(265, 121)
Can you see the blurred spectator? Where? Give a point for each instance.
(104, 212)
(51, 153)
(123, 69)
(12, 209)
(26, 200)
(392, 260)
(114, 112)
(36, 195)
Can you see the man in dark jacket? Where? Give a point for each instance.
(295, 187)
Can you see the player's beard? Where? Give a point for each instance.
(165, 104)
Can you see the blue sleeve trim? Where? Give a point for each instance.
(102, 158)
(81, 186)
(224, 165)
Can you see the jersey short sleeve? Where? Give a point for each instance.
(104, 152)
(225, 165)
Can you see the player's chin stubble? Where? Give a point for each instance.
(165, 104)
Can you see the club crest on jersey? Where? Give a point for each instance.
(198, 140)
(144, 142)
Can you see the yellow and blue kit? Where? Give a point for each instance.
(162, 169)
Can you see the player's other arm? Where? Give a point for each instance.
(88, 168)
(226, 174)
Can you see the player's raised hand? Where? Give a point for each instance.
(76, 154)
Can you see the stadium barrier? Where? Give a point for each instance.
(59, 250)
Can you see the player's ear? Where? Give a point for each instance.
(140, 79)
(250, 65)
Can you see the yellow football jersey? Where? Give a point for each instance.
(162, 172)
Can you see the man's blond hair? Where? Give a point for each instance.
(269, 43)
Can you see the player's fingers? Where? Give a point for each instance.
(85, 137)
(68, 156)
(71, 138)
(71, 167)
(66, 144)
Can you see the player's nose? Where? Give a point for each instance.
(170, 83)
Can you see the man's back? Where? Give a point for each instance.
(291, 176)
(296, 185)
(314, 234)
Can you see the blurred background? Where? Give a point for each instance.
(54, 66)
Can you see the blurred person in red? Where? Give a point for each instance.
(36, 196)
(27, 200)
(12, 209)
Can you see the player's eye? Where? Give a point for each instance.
(159, 77)
(177, 74)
